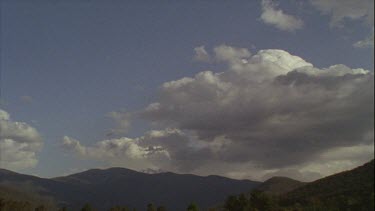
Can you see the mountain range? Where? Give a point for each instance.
(350, 190)
(120, 186)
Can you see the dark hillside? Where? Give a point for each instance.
(119, 186)
(279, 185)
(354, 187)
(350, 190)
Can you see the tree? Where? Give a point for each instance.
(119, 208)
(87, 207)
(161, 208)
(262, 201)
(192, 207)
(151, 207)
(63, 209)
(40, 208)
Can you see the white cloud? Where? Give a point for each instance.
(74, 145)
(19, 143)
(138, 153)
(269, 113)
(4, 115)
(276, 109)
(277, 18)
(231, 54)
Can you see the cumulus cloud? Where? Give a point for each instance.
(277, 18)
(222, 53)
(19, 143)
(150, 151)
(275, 109)
(229, 53)
(269, 113)
(169, 149)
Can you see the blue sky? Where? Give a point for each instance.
(66, 65)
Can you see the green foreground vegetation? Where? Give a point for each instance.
(255, 201)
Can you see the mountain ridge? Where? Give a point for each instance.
(104, 188)
(279, 185)
(362, 176)
(351, 190)
(107, 187)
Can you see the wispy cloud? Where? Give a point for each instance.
(346, 9)
(278, 18)
(366, 43)
(340, 11)
(201, 54)
(122, 121)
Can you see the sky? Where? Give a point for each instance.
(243, 89)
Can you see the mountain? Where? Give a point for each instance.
(123, 186)
(349, 188)
(279, 185)
(23, 198)
(22, 188)
(120, 186)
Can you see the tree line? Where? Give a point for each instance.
(254, 201)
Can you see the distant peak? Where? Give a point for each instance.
(280, 178)
(152, 171)
(279, 185)
(112, 170)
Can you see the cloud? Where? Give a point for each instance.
(166, 148)
(201, 54)
(341, 10)
(277, 18)
(225, 53)
(4, 115)
(265, 114)
(122, 151)
(366, 43)
(19, 143)
(275, 109)
(327, 163)
(222, 53)
(122, 121)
